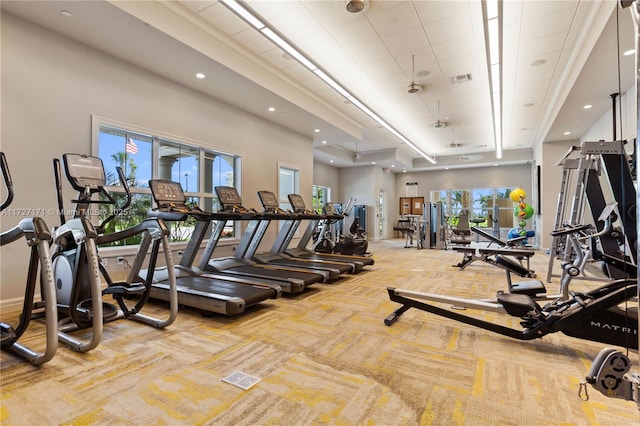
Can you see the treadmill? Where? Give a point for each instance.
(273, 212)
(223, 295)
(289, 229)
(291, 279)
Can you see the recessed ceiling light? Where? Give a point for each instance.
(404, 171)
(538, 62)
(523, 129)
(331, 161)
(528, 105)
(272, 109)
(66, 13)
(495, 165)
(566, 133)
(587, 106)
(423, 73)
(200, 75)
(393, 165)
(446, 168)
(324, 141)
(629, 52)
(317, 130)
(373, 162)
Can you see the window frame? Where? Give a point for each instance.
(158, 137)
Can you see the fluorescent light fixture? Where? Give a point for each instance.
(331, 82)
(242, 12)
(284, 45)
(200, 75)
(240, 9)
(492, 9)
(493, 31)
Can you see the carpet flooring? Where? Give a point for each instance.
(323, 357)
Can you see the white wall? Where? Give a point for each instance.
(51, 86)
(626, 113)
(329, 177)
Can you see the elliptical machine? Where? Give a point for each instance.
(329, 240)
(37, 237)
(76, 266)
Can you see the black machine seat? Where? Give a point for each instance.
(518, 305)
(529, 288)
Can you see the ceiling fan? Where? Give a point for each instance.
(439, 124)
(413, 87)
(453, 144)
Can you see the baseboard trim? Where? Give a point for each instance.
(10, 306)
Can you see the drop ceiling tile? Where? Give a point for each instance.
(548, 24)
(541, 46)
(433, 11)
(396, 19)
(254, 40)
(297, 23)
(198, 5)
(450, 28)
(543, 9)
(224, 19)
(273, 9)
(406, 41)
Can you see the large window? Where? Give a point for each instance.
(146, 156)
(288, 183)
(320, 196)
(478, 204)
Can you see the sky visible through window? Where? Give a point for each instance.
(139, 165)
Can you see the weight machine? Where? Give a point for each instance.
(609, 373)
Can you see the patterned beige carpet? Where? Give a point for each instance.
(323, 357)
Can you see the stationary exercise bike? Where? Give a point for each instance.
(76, 266)
(37, 237)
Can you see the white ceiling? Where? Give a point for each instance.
(557, 57)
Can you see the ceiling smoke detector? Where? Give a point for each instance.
(355, 6)
(413, 87)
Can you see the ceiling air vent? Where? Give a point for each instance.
(459, 79)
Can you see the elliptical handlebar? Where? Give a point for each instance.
(6, 176)
(117, 211)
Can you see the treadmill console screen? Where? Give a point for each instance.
(329, 210)
(84, 171)
(228, 196)
(166, 191)
(268, 199)
(297, 202)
